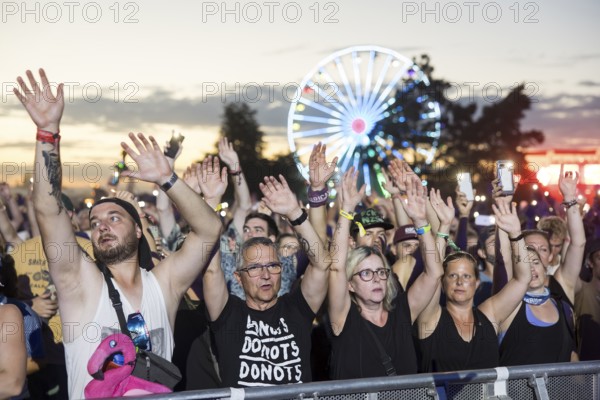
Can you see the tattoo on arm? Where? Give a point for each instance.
(53, 167)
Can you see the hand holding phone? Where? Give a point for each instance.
(174, 144)
(465, 186)
(505, 174)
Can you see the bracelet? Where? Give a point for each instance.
(47, 137)
(423, 230)
(361, 229)
(318, 198)
(569, 204)
(346, 215)
(235, 173)
(516, 239)
(169, 184)
(300, 220)
(450, 242)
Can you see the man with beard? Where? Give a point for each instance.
(150, 299)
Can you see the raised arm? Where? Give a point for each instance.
(10, 202)
(281, 200)
(177, 271)
(242, 201)
(7, 229)
(500, 306)
(348, 197)
(464, 211)
(212, 180)
(503, 270)
(401, 175)
(320, 171)
(423, 290)
(568, 273)
(45, 110)
(166, 214)
(13, 356)
(430, 316)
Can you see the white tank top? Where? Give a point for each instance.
(105, 323)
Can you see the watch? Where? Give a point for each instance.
(169, 184)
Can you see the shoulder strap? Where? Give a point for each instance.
(115, 299)
(386, 360)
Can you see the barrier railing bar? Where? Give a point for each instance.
(374, 385)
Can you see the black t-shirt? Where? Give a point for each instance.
(270, 347)
(525, 343)
(355, 355)
(445, 350)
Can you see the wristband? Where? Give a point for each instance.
(361, 229)
(235, 173)
(318, 198)
(521, 236)
(300, 220)
(450, 242)
(423, 230)
(47, 137)
(169, 184)
(569, 204)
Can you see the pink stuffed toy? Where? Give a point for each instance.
(112, 380)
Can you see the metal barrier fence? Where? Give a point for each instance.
(564, 381)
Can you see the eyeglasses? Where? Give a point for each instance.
(254, 270)
(367, 275)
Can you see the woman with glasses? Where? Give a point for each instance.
(461, 336)
(370, 322)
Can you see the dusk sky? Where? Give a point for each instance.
(155, 66)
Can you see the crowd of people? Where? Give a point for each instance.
(278, 292)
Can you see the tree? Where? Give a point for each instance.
(473, 137)
(241, 128)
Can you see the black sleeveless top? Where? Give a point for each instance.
(525, 343)
(445, 350)
(355, 355)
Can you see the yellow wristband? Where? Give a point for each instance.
(347, 215)
(424, 229)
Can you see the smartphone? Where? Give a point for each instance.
(485, 220)
(174, 144)
(505, 173)
(464, 184)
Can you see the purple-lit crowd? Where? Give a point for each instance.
(268, 292)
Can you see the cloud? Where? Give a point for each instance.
(589, 83)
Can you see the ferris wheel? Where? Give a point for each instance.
(368, 104)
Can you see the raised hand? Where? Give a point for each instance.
(389, 185)
(416, 202)
(401, 174)
(464, 206)
(444, 211)
(278, 196)
(213, 179)
(152, 164)
(567, 183)
(507, 218)
(348, 194)
(43, 107)
(228, 154)
(192, 175)
(320, 171)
